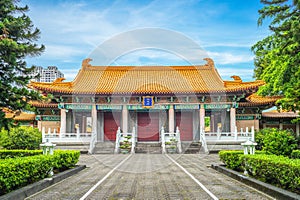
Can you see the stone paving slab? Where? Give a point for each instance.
(149, 176)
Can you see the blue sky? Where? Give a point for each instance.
(71, 30)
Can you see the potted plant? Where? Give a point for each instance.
(125, 146)
(171, 146)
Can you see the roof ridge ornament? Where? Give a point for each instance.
(210, 62)
(236, 78)
(86, 63)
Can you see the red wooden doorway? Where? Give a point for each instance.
(111, 124)
(184, 120)
(148, 126)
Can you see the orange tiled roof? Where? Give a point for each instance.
(25, 117)
(43, 104)
(146, 80)
(255, 98)
(276, 114)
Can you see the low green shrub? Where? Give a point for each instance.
(276, 170)
(295, 154)
(275, 141)
(19, 172)
(65, 159)
(21, 138)
(18, 153)
(232, 158)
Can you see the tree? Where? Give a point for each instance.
(277, 57)
(17, 37)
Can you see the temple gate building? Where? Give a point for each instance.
(146, 98)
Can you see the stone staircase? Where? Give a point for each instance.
(215, 147)
(148, 147)
(191, 147)
(80, 146)
(104, 148)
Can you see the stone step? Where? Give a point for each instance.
(104, 151)
(105, 144)
(104, 148)
(148, 147)
(215, 148)
(191, 147)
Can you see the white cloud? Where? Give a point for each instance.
(229, 58)
(72, 30)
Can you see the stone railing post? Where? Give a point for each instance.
(133, 141)
(178, 140)
(163, 145)
(117, 145)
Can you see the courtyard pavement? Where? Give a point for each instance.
(149, 176)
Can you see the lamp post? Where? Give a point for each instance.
(48, 149)
(249, 146)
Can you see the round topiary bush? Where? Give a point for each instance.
(275, 141)
(21, 138)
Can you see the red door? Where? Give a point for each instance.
(184, 120)
(148, 126)
(111, 124)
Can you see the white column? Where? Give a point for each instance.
(232, 120)
(280, 125)
(171, 119)
(94, 119)
(297, 129)
(202, 117)
(63, 120)
(125, 119)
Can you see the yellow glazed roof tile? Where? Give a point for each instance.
(146, 80)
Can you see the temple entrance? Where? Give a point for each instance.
(184, 120)
(148, 126)
(111, 124)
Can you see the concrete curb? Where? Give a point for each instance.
(31, 189)
(271, 190)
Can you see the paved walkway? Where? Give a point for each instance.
(149, 176)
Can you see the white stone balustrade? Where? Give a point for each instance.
(230, 136)
(65, 137)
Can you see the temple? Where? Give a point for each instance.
(147, 98)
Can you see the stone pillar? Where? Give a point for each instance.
(63, 120)
(232, 119)
(280, 125)
(202, 117)
(94, 119)
(125, 119)
(171, 119)
(264, 125)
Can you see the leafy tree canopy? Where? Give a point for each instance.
(17, 37)
(277, 57)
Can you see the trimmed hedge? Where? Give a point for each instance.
(295, 154)
(18, 153)
(65, 159)
(21, 171)
(276, 170)
(232, 158)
